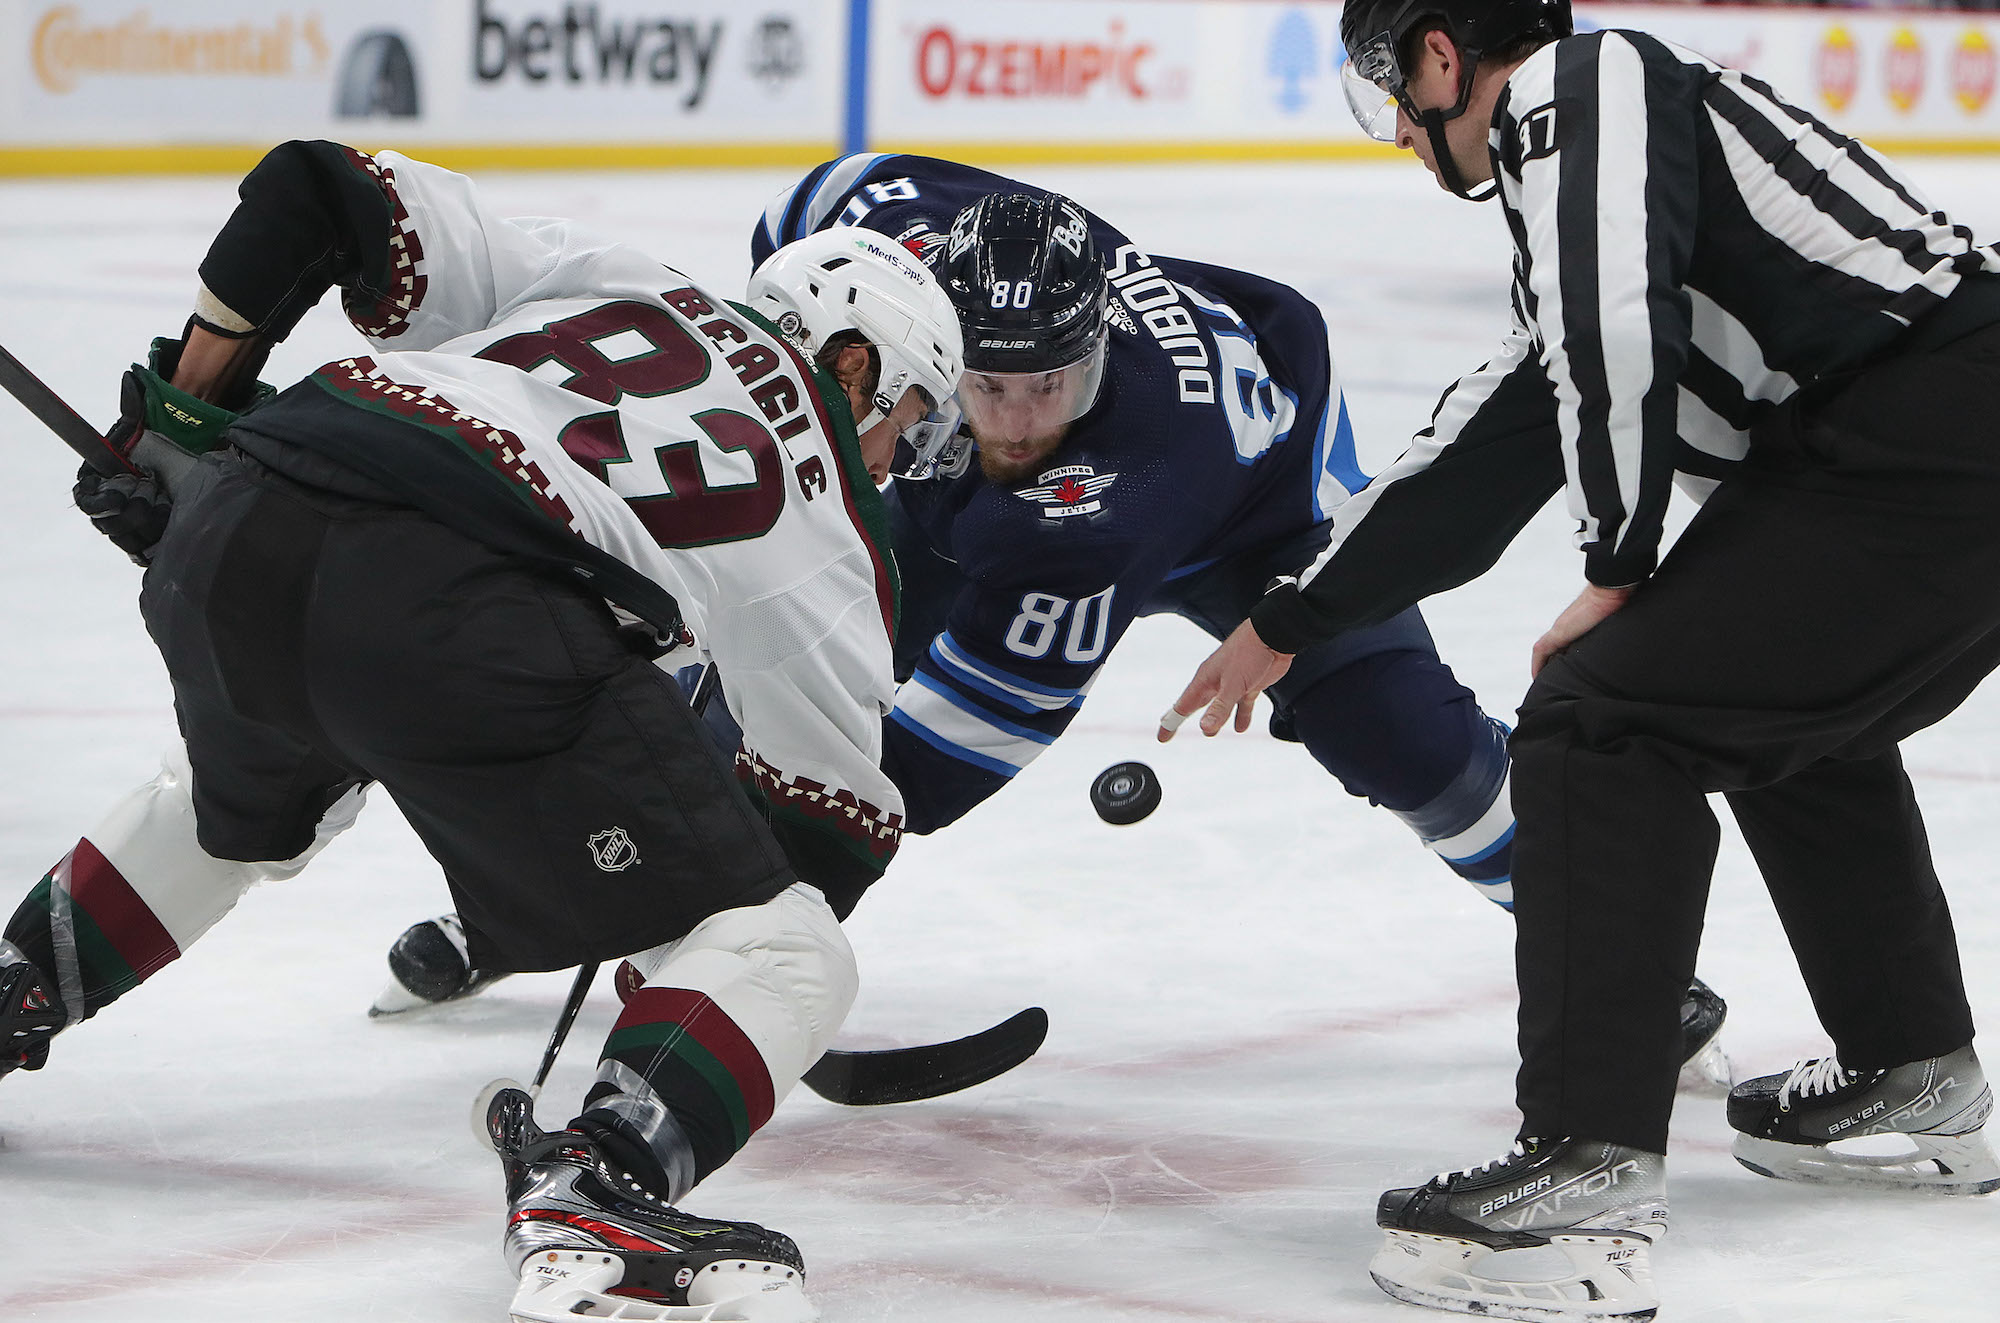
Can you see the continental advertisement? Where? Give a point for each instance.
(125, 85)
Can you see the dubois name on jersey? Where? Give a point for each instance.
(1218, 429)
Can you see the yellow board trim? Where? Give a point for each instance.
(1118, 153)
(236, 158)
(1280, 149)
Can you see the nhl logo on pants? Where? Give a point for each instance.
(613, 851)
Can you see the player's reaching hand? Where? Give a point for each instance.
(1234, 674)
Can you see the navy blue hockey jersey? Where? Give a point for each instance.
(1219, 429)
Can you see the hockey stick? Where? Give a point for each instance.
(56, 415)
(907, 1074)
(156, 457)
(578, 990)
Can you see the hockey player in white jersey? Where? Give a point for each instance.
(462, 566)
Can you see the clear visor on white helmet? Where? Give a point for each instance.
(924, 445)
(1373, 82)
(1022, 404)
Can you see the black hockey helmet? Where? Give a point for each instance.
(1376, 34)
(1026, 279)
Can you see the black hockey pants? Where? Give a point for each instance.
(1838, 593)
(316, 642)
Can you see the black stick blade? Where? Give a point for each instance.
(906, 1074)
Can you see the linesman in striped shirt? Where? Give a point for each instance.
(1713, 290)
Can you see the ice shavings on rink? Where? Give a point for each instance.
(1268, 1002)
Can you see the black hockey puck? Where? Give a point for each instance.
(1123, 793)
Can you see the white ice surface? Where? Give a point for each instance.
(1268, 1002)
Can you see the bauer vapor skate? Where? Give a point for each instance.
(1555, 1230)
(588, 1240)
(429, 966)
(1705, 1069)
(1914, 1127)
(30, 1013)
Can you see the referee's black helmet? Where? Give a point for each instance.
(1377, 35)
(1475, 25)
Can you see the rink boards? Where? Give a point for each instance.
(121, 86)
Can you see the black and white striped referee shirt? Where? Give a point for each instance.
(1689, 251)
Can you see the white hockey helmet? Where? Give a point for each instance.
(850, 279)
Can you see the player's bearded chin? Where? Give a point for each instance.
(1015, 461)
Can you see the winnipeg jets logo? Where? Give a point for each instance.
(925, 242)
(613, 851)
(1070, 490)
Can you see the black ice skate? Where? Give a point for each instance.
(30, 1013)
(428, 966)
(1915, 1127)
(1704, 1066)
(588, 1240)
(1555, 1230)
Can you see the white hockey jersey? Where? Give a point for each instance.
(677, 432)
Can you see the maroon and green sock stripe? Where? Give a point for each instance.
(700, 1063)
(119, 941)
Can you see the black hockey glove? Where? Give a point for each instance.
(130, 510)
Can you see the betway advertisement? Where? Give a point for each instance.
(616, 69)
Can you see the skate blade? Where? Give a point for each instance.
(1610, 1277)
(560, 1286)
(1708, 1073)
(1937, 1164)
(397, 1000)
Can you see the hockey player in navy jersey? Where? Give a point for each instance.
(1152, 435)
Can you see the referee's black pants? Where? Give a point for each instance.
(1838, 593)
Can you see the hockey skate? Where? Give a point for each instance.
(1914, 1127)
(429, 966)
(29, 1014)
(588, 1240)
(1556, 1230)
(1705, 1068)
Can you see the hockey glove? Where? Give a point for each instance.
(148, 402)
(129, 509)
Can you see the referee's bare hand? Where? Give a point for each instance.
(1592, 607)
(1232, 677)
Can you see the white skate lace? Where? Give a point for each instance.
(1820, 1075)
(1518, 1151)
